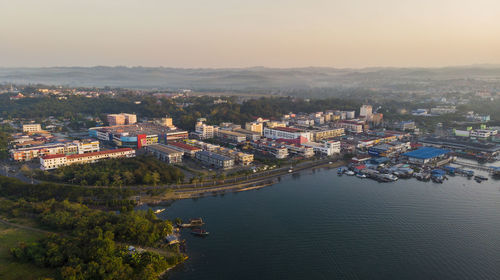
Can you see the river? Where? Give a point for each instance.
(317, 225)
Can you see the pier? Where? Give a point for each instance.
(474, 166)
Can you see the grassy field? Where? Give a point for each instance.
(9, 268)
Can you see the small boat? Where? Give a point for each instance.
(200, 232)
(158, 211)
(360, 175)
(477, 180)
(349, 173)
(480, 177)
(290, 170)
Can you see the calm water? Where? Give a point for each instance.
(321, 226)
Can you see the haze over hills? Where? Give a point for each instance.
(260, 78)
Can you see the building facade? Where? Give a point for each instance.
(55, 161)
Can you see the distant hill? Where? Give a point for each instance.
(256, 78)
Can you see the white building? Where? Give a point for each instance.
(286, 133)
(366, 111)
(205, 131)
(327, 148)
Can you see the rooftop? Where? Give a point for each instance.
(184, 146)
(287, 129)
(426, 153)
(99, 153)
(214, 155)
(163, 148)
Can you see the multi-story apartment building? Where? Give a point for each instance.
(188, 150)
(30, 128)
(55, 161)
(366, 111)
(327, 148)
(354, 126)
(255, 127)
(205, 131)
(214, 160)
(75, 147)
(272, 148)
(286, 133)
(121, 119)
(321, 134)
(231, 136)
(165, 153)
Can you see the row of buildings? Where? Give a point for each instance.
(66, 148)
(55, 161)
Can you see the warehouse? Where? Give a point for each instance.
(426, 155)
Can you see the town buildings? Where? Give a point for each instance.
(204, 131)
(137, 135)
(286, 133)
(121, 119)
(30, 128)
(187, 149)
(353, 126)
(68, 148)
(55, 161)
(327, 148)
(165, 153)
(214, 160)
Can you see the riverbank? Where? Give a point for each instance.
(251, 184)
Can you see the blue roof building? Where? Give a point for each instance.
(426, 154)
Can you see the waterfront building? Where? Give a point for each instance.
(426, 155)
(55, 161)
(214, 160)
(30, 128)
(272, 148)
(328, 148)
(165, 153)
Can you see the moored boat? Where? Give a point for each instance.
(199, 232)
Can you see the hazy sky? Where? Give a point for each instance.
(236, 33)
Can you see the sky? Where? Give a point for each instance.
(236, 33)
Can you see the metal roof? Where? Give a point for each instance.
(426, 153)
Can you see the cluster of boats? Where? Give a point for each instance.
(196, 227)
(438, 175)
(368, 173)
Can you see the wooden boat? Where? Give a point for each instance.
(158, 211)
(199, 232)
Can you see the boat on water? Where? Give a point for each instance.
(349, 173)
(158, 211)
(360, 175)
(480, 177)
(200, 232)
(388, 177)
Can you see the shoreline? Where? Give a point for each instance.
(252, 184)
